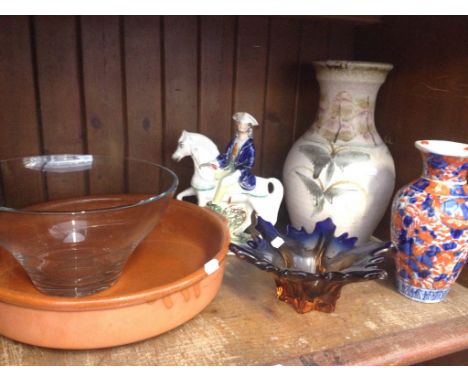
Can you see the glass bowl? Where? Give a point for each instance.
(72, 221)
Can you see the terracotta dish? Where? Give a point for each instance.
(172, 275)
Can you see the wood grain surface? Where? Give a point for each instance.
(251, 71)
(314, 47)
(426, 94)
(141, 37)
(60, 98)
(282, 75)
(103, 92)
(180, 87)
(246, 325)
(217, 44)
(129, 85)
(20, 132)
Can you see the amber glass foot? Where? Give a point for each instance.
(305, 295)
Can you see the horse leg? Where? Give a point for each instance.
(188, 192)
(202, 200)
(205, 196)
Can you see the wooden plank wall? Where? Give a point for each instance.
(130, 85)
(426, 94)
(20, 132)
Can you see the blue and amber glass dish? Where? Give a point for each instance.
(311, 268)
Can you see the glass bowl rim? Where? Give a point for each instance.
(171, 189)
(304, 276)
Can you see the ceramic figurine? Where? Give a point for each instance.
(310, 269)
(430, 223)
(341, 168)
(235, 164)
(224, 182)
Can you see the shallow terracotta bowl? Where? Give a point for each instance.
(172, 275)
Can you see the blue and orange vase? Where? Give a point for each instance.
(430, 223)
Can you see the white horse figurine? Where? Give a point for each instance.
(264, 199)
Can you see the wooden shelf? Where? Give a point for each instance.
(355, 19)
(349, 19)
(246, 325)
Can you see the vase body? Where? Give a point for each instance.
(340, 168)
(430, 223)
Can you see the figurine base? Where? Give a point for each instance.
(238, 218)
(427, 296)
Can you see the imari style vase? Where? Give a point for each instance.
(340, 168)
(430, 223)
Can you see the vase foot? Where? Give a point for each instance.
(421, 294)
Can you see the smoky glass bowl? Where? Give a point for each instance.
(72, 221)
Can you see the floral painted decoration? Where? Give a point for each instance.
(430, 226)
(345, 116)
(311, 268)
(439, 167)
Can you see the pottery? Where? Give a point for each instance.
(430, 223)
(77, 243)
(243, 193)
(310, 269)
(172, 276)
(340, 168)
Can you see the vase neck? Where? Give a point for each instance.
(346, 111)
(444, 168)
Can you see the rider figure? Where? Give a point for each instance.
(235, 165)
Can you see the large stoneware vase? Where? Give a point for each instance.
(430, 223)
(340, 168)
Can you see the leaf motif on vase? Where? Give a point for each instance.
(364, 103)
(342, 106)
(314, 189)
(335, 190)
(345, 158)
(362, 127)
(318, 156)
(340, 188)
(330, 171)
(347, 135)
(344, 110)
(317, 140)
(329, 135)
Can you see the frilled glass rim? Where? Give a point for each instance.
(265, 265)
(170, 190)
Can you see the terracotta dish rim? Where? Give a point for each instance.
(97, 302)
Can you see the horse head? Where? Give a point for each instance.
(183, 147)
(195, 145)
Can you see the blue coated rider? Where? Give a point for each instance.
(235, 164)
